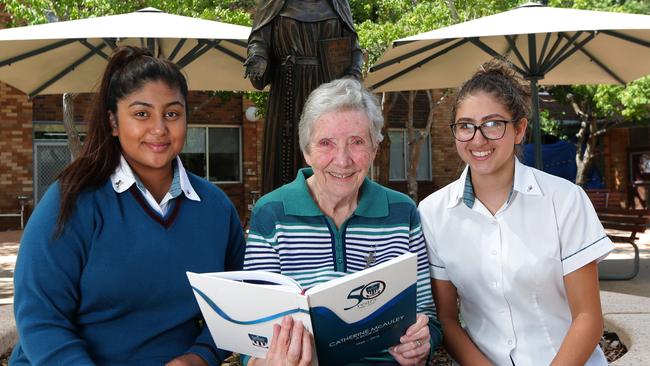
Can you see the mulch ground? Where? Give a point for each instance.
(610, 343)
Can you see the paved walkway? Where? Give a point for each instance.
(626, 304)
(8, 250)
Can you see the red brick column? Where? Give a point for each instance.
(15, 152)
(252, 132)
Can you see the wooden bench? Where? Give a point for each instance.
(623, 224)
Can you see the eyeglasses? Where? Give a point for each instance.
(491, 130)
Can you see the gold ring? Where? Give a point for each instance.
(418, 343)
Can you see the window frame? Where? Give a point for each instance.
(207, 151)
(404, 132)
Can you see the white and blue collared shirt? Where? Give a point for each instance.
(124, 177)
(509, 268)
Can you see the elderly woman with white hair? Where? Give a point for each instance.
(335, 202)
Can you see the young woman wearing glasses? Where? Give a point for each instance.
(518, 247)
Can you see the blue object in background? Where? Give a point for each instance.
(560, 160)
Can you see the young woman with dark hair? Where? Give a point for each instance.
(516, 247)
(100, 275)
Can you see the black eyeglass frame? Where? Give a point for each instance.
(480, 127)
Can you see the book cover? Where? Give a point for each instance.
(335, 57)
(350, 317)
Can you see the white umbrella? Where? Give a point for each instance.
(549, 46)
(70, 56)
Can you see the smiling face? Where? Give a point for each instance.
(488, 157)
(151, 125)
(340, 153)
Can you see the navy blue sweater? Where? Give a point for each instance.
(112, 289)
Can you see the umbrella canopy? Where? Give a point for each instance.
(71, 56)
(546, 45)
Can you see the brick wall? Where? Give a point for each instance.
(50, 107)
(447, 166)
(252, 156)
(208, 108)
(15, 152)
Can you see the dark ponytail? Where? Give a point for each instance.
(127, 71)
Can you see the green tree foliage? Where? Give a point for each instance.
(381, 22)
(550, 125)
(29, 12)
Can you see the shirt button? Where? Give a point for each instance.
(495, 284)
(494, 252)
(339, 260)
(510, 342)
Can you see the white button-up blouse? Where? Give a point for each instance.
(508, 268)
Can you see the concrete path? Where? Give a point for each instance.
(8, 249)
(626, 304)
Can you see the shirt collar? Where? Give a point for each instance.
(459, 188)
(299, 202)
(524, 182)
(124, 177)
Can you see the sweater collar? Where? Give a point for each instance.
(299, 202)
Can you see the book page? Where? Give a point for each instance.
(241, 315)
(258, 277)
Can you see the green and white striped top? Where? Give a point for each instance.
(289, 234)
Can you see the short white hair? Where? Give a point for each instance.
(339, 95)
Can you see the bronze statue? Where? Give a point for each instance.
(296, 45)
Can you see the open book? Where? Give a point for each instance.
(350, 317)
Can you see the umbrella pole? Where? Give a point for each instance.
(537, 128)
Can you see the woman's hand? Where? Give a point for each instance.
(188, 359)
(414, 346)
(291, 345)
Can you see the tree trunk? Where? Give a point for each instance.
(416, 140)
(74, 142)
(414, 150)
(585, 160)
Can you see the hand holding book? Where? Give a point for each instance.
(291, 344)
(414, 346)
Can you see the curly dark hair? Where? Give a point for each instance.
(500, 80)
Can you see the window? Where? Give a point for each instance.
(213, 152)
(399, 155)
